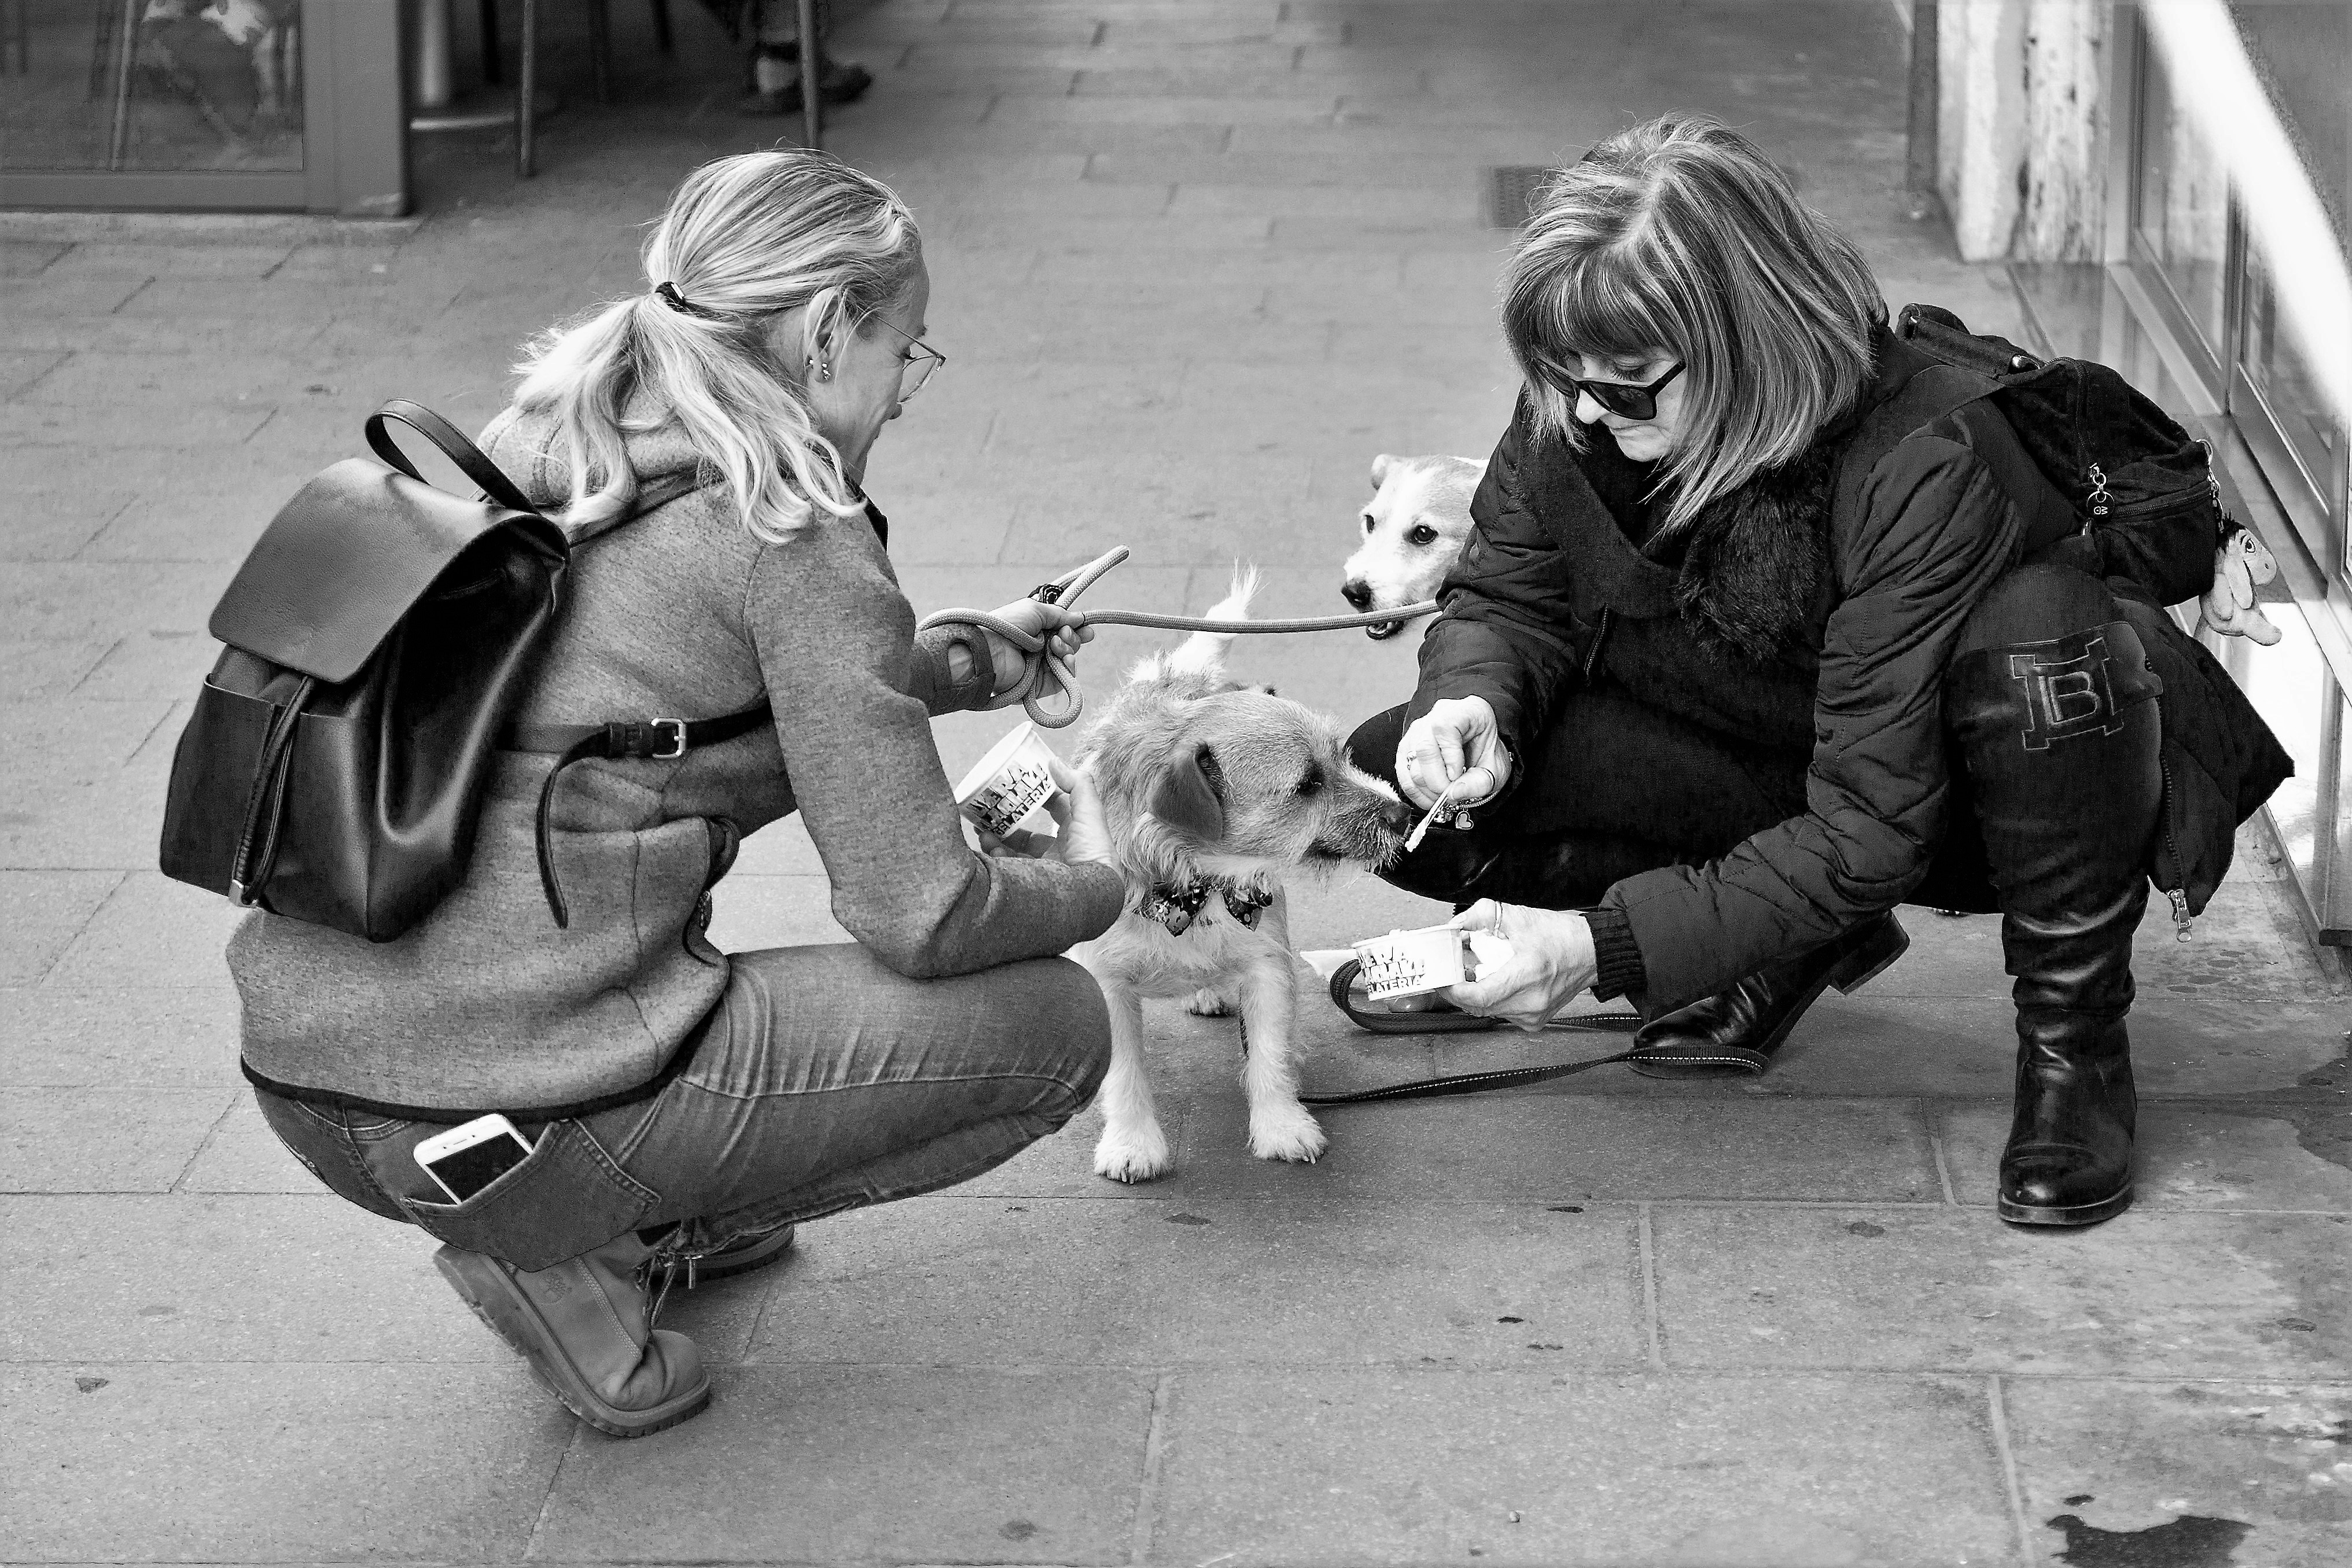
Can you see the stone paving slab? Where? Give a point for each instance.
(1393, 1465)
(132, 1034)
(2184, 1157)
(253, 1278)
(288, 1462)
(151, 930)
(40, 911)
(2097, 1460)
(1013, 1466)
(1567, 1148)
(2146, 1295)
(1308, 1280)
(103, 1140)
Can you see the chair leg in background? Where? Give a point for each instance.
(811, 92)
(527, 98)
(600, 46)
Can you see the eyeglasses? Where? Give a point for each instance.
(1625, 399)
(921, 361)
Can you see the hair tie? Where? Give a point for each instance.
(670, 297)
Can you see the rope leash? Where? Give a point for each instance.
(1045, 677)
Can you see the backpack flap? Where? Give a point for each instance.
(347, 559)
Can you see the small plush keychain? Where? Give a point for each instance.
(2243, 565)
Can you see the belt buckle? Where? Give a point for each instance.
(677, 728)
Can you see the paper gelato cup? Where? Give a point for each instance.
(1414, 962)
(1408, 963)
(1009, 789)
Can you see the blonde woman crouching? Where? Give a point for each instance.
(683, 1104)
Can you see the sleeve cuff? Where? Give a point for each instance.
(1621, 971)
(945, 694)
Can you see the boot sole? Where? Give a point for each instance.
(2074, 1215)
(772, 1250)
(508, 1313)
(1848, 975)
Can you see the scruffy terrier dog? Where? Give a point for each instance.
(1412, 529)
(1212, 791)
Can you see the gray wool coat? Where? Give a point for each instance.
(488, 1004)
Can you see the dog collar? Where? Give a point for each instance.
(1178, 908)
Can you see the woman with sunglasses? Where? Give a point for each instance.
(1757, 637)
(684, 1105)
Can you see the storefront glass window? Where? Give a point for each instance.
(126, 86)
(2303, 52)
(2183, 212)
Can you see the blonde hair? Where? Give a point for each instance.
(1681, 234)
(744, 238)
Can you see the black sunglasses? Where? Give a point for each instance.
(1623, 398)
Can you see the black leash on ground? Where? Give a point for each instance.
(1385, 1023)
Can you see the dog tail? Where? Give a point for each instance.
(1205, 651)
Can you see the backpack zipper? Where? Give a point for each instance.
(2098, 499)
(2179, 896)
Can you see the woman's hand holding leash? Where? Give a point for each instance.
(1552, 959)
(1457, 734)
(1062, 631)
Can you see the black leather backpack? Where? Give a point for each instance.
(2143, 486)
(380, 637)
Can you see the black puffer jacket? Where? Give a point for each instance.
(1816, 606)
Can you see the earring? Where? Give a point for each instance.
(824, 371)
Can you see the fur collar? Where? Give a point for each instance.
(1757, 562)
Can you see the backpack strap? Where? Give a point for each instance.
(1933, 390)
(657, 740)
(454, 445)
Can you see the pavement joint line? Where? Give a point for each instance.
(1652, 1331)
(1943, 1169)
(547, 1498)
(1146, 1524)
(67, 945)
(126, 300)
(210, 1132)
(1997, 1407)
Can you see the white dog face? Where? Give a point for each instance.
(1409, 532)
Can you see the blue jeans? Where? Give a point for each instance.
(822, 1081)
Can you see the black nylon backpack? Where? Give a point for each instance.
(2144, 487)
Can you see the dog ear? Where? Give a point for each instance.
(1183, 798)
(1381, 466)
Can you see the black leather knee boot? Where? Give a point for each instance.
(2063, 747)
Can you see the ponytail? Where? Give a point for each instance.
(745, 238)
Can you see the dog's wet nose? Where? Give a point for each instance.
(1358, 593)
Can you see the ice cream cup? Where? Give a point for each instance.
(1008, 790)
(1409, 963)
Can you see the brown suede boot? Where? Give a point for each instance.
(586, 1327)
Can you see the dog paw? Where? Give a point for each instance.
(1208, 1002)
(1135, 1156)
(1289, 1133)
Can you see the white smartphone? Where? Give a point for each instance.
(469, 1157)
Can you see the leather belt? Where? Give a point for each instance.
(655, 740)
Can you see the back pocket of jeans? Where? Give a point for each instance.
(567, 1198)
